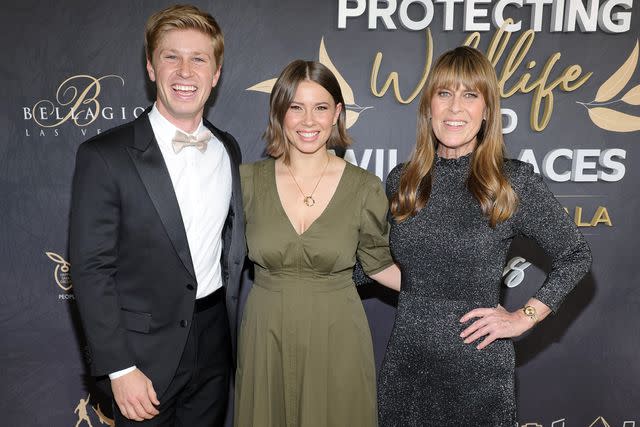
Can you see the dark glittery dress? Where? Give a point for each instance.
(452, 262)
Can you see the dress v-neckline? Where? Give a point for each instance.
(283, 212)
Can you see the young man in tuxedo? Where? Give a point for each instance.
(157, 238)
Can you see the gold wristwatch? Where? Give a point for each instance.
(530, 312)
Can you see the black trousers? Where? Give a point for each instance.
(198, 393)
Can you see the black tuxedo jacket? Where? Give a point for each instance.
(131, 267)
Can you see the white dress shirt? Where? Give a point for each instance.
(202, 184)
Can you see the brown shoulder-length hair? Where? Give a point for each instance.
(183, 17)
(486, 181)
(282, 96)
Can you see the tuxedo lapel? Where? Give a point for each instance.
(148, 160)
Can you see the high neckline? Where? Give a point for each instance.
(454, 162)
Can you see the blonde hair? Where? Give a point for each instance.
(463, 66)
(183, 17)
(282, 96)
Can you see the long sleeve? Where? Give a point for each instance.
(541, 217)
(93, 246)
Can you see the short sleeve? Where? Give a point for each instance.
(373, 245)
(541, 217)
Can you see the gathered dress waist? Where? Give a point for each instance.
(283, 280)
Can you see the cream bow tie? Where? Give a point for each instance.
(181, 140)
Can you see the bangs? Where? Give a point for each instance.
(455, 71)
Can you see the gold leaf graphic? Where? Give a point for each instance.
(633, 96)
(352, 116)
(264, 86)
(619, 79)
(347, 93)
(613, 120)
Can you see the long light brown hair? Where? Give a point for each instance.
(462, 66)
(282, 96)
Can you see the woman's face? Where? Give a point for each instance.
(456, 117)
(310, 118)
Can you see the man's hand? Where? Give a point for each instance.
(135, 396)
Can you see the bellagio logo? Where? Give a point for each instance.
(353, 109)
(62, 275)
(78, 102)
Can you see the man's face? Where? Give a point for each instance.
(184, 69)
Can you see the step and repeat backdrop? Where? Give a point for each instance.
(570, 82)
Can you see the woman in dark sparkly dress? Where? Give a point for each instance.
(456, 206)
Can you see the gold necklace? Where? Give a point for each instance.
(309, 200)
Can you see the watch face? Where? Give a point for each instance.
(529, 311)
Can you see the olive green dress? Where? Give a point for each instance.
(305, 356)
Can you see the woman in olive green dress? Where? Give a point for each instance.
(305, 357)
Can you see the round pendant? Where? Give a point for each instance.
(308, 200)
